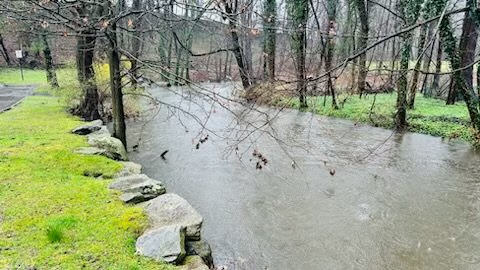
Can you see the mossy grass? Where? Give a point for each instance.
(430, 116)
(52, 216)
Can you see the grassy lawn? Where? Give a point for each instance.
(12, 76)
(430, 116)
(51, 215)
(66, 76)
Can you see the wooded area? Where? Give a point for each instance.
(313, 48)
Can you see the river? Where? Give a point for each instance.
(394, 201)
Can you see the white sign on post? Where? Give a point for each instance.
(19, 54)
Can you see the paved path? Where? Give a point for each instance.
(10, 95)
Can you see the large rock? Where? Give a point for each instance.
(138, 188)
(171, 209)
(200, 248)
(193, 263)
(88, 128)
(113, 146)
(163, 244)
(129, 168)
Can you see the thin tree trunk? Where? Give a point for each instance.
(330, 50)
(136, 44)
(239, 56)
(178, 64)
(438, 68)
(427, 62)
(394, 60)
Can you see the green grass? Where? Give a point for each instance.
(69, 90)
(67, 76)
(12, 76)
(430, 116)
(51, 215)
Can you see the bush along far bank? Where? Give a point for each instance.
(55, 211)
(430, 116)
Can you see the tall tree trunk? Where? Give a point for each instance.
(299, 16)
(362, 6)
(427, 60)
(245, 73)
(50, 67)
(269, 22)
(438, 68)
(416, 72)
(452, 91)
(409, 9)
(468, 42)
(401, 115)
(466, 51)
(178, 64)
(393, 58)
(88, 108)
(119, 131)
(136, 43)
(187, 61)
(4, 51)
(245, 39)
(330, 50)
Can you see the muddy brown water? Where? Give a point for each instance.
(395, 201)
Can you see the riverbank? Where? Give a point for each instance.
(430, 116)
(53, 213)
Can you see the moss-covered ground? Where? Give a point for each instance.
(52, 216)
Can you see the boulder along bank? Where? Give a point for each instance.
(174, 231)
